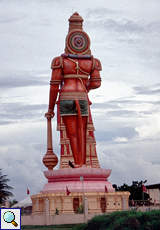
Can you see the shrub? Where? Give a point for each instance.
(80, 209)
(123, 220)
(56, 211)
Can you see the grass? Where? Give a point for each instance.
(50, 227)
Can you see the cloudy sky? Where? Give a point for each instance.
(126, 109)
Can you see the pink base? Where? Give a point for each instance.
(95, 180)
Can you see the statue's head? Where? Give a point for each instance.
(77, 41)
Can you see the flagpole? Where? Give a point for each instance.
(142, 195)
(28, 192)
(81, 179)
(104, 196)
(106, 200)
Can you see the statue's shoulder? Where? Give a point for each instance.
(57, 62)
(97, 64)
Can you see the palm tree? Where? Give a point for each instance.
(4, 187)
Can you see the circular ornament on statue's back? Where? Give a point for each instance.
(78, 42)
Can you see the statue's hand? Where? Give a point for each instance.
(49, 115)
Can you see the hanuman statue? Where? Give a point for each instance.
(74, 74)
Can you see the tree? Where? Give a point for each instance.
(14, 201)
(136, 190)
(4, 187)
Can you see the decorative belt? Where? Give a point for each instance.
(82, 76)
(73, 96)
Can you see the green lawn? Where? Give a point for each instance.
(50, 227)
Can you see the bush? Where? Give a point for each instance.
(79, 227)
(123, 220)
(80, 209)
(56, 211)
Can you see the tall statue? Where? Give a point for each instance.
(74, 74)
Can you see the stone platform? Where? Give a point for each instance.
(96, 188)
(94, 180)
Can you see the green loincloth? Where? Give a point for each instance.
(68, 107)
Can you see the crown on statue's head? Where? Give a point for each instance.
(77, 41)
(75, 22)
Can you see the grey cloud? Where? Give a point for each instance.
(157, 103)
(126, 132)
(39, 146)
(12, 81)
(100, 12)
(15, 111)
(128, 113)
(105, 105)
(135, 102)
(121, 113)
(147, 90)
(11, 19)
(113, 104)
(122, 25)
(155, 162)
(115, 108)
(153, 27)
(8, 122)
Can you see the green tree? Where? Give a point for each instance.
(14, 201)
(4, 187)
(136, 190)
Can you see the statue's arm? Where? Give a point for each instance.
(95, 79)
(54, 83)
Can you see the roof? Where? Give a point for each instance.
(23, 203)
(152, 186)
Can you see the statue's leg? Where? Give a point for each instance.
(84, 128)
(76, 130)
(71, 124)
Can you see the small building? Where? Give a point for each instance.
(25, 205)
(154, 192)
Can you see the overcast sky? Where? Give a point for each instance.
(126, 109)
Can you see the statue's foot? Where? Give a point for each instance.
(84, 166)
(76, 166)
